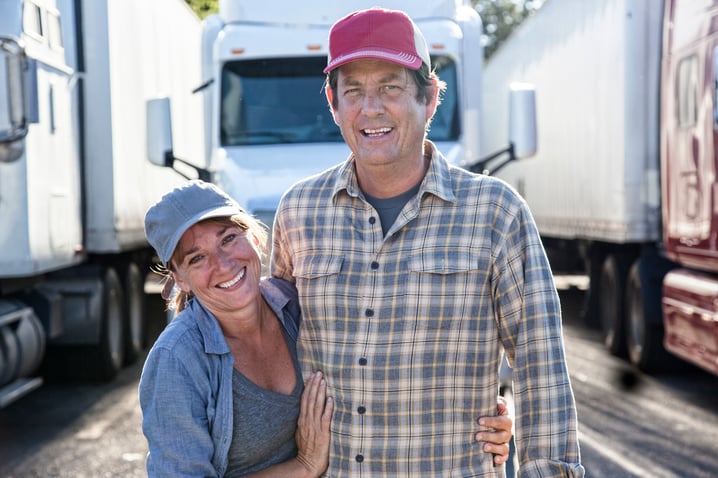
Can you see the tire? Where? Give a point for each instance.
(644, 326)
(134, 325)
(107, 357)
(100, 361)
(591, 306)
(611, 304)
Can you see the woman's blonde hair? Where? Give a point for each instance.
(176, 299)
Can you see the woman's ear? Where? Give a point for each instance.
(184, 287)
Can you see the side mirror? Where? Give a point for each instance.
(522, 131)
(522, 119)
(159, 132)
(17, 77)
(159, 140)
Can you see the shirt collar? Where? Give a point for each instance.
(214, 342)
(437, 180)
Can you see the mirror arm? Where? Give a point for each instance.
(202, 173)
(481, 166)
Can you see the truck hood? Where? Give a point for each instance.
(257, 176)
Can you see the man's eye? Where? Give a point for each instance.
(194, 260)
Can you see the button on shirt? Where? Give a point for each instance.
(408, 327)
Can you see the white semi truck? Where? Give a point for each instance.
(267, 123)
(75, 183)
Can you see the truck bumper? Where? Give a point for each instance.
(690, 311)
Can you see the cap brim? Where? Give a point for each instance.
(412, 62)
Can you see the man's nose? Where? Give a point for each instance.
(372, 102)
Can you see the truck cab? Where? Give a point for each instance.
(689, 134)
(75, 182)
(267, 120)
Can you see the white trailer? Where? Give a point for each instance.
(595, 66)
(74, 179)
(624, 179)
(267, 122)
(594, 183)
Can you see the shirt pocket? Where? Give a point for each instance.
(318, 266)
(319, 280)
(444, 288)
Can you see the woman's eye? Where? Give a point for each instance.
(229, 238)
(194, 260)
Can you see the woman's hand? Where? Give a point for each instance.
(315, 416)
(496, 438)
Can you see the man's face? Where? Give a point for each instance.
(379, 115)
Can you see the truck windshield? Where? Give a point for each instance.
(281, 100)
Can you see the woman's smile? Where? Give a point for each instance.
(234, 280)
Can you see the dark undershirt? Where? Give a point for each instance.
(389, 208)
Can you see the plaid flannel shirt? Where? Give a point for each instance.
(409, 326)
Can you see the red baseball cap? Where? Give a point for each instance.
(379, 34)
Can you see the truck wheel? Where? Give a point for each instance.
(134, 325)
(591, 305)
(107, 357)
(644, 326)
(640, 336)
(613, 279)
(93, 360)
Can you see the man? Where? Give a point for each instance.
(413, 275)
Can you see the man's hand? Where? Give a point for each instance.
(496, 432)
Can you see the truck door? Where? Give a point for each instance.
(53, 155)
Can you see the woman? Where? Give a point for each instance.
(221, 390)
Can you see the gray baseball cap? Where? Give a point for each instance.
(180, 209)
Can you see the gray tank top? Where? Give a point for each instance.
(264, 422)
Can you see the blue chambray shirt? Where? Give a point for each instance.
(186, 389)
(409, 326)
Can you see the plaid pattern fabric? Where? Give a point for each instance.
(409, 327)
